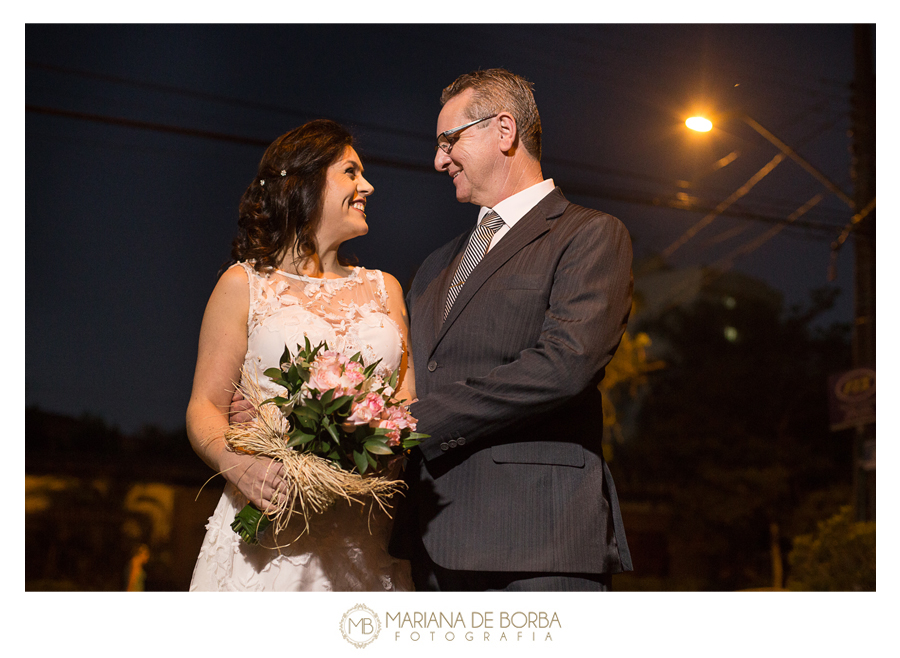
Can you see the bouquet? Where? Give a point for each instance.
(336, 431)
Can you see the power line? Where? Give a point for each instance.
(727, 261)
(594, 191)
(745, 189)
(146, 125)
(256, 105)
(237, 102)
(741, 191)
(673, 203)
(194, 132)
(216, 98)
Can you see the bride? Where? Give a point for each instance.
(289, 283)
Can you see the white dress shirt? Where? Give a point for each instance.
(514, 208)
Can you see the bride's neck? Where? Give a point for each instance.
(323, 266)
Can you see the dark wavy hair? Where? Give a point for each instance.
(280, 210)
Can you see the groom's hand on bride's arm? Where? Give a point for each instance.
(241, 410)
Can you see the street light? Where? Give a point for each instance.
(700, 124)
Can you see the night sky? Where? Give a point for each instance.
(140, 140)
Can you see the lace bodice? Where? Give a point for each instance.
(351, 314)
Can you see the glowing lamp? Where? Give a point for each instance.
(699, 124)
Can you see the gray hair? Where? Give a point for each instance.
(498, 90)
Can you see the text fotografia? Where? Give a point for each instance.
(479, 626)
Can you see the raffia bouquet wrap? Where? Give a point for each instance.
(336, 430)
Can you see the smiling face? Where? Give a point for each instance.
(474, 162)
(344, 201)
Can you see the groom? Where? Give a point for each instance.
(511, 491)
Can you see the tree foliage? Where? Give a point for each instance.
(732, 434)
(838, 557)
(626, 375)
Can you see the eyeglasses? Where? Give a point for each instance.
(443, 140)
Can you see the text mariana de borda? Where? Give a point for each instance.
(482, 625)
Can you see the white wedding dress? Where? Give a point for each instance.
(346, 546)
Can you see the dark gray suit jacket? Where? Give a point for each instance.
(513, 477)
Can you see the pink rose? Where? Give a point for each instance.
(333, 370)
(394, 419)
(393, 436)
(354, 375)
(368, 408)
(401, 416)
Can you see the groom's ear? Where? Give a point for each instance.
(508, 131)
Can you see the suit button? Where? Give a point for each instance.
(461, 441)
(445, 446)
(432, 366)
(452, 443)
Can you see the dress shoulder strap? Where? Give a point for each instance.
(376, 280)
(257, 285)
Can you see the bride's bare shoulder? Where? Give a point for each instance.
(235, 276)
(391, 283)
(231, 290)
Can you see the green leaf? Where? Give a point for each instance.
(249, 523)
(273, 373)
(377, 448)
(371, 368)
(395, 377)
(332, 430)
(286, 355)
(309, 426)
(362, 463)
(305, 412)
(299, 438)
(344, 400)
(315, 406)
(417, 435)
(326, 397)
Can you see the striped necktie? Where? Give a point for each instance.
(475, 251)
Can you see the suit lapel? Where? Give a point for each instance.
(534, 224)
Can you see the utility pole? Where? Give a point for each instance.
(863, 173)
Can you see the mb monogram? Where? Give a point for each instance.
(360, 626)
